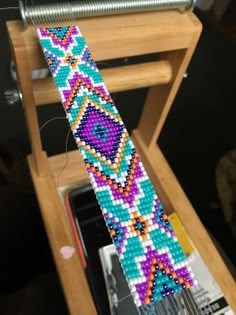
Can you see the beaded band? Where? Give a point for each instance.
(152, 259)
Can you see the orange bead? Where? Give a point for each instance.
(154, 261)
(167, 270)
(113, 232)
(147, 300)
(180, 279)
(151, 276)
(187, 284)
(160, 265)
(153, 269)
(174, 275)
(150, 284)
(149, 292)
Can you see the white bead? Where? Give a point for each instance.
(136, 296)
(132, 288)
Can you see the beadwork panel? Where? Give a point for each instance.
(153, 261)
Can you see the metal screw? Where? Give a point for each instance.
(12, 96)
(186, 75)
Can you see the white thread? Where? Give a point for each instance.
(66, 147)
(122, 299)
(50, 120)
(67, 159)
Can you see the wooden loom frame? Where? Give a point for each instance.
(174, 36)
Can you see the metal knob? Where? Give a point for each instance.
(12, 96)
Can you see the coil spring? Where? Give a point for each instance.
(39, 14)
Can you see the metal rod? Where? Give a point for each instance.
(80, 9)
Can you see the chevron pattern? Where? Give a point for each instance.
(152, 259)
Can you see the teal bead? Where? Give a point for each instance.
(157, 297)
(133, 246)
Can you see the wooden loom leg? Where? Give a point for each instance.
(71, 271)
(159, 101)
(25, 84)
(174, 199)
(160, 98)
(156, 109)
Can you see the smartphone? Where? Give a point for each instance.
(91, 234)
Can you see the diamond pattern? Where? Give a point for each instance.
(152, 258)
(114, 131)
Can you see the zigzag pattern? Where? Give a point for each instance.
(152, 259)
